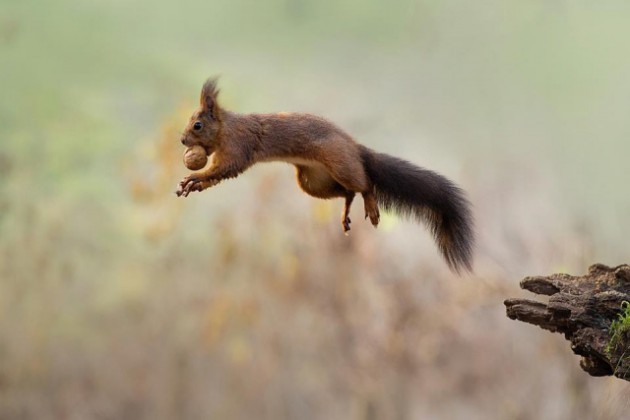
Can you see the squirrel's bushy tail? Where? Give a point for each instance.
(409, 190)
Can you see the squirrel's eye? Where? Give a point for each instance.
(197, 125)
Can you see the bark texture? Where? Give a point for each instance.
(583, 309)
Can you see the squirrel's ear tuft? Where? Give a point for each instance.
(208, 99)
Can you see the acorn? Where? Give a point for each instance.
(195, 158)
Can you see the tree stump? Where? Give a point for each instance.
(583, 309)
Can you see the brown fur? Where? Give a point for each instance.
(328, 161)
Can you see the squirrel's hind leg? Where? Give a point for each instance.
(352, 177)
(345, 216)
(371, 207)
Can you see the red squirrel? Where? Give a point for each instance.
(329, 164)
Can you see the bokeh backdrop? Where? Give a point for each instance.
(120, 301)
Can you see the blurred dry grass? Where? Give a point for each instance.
(118, 301)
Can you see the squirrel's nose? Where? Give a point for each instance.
(183, 140)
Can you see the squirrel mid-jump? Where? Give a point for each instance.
(329, 164)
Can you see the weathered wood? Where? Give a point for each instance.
(582, 308)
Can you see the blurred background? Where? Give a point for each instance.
(120, 301)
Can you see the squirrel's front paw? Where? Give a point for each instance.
(193, 183)
(187, 185)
